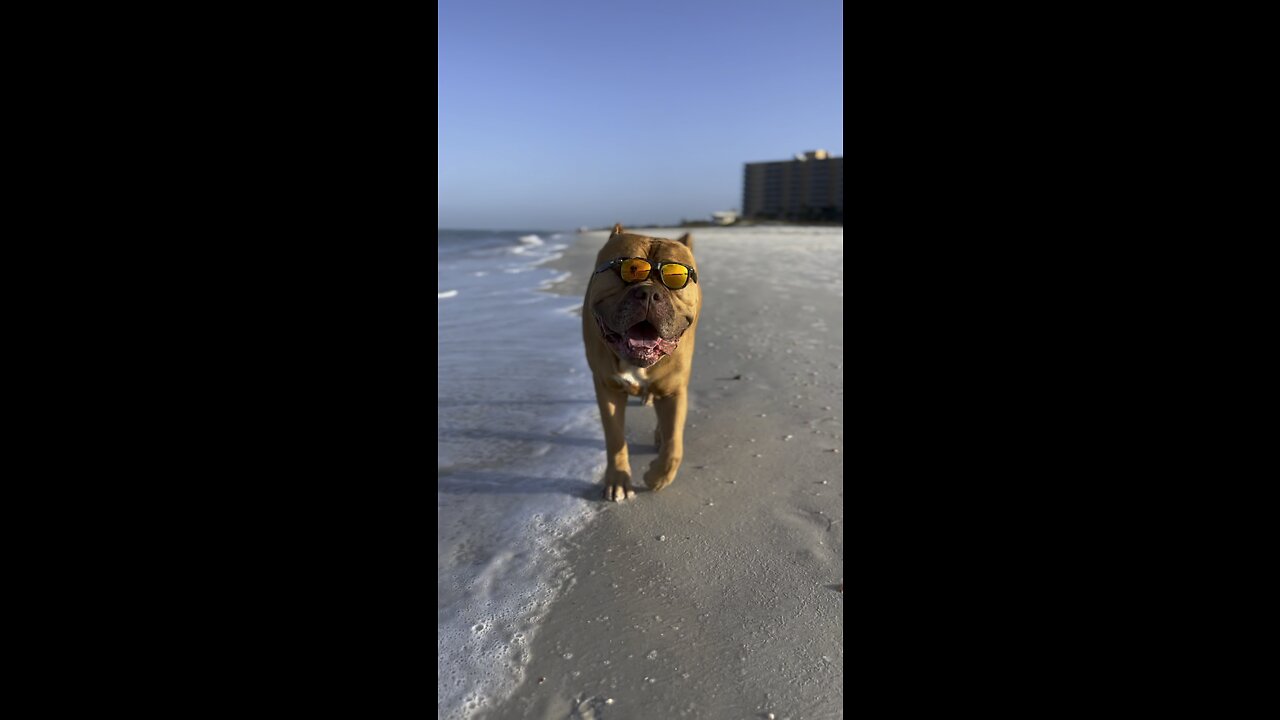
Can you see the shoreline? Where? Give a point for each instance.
(721, 595)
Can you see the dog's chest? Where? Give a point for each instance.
(634, 380)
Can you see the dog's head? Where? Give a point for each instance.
(643, 315)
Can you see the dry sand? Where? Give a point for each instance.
(722, 595)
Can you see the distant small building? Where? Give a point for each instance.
(725, 217)
(809, 188)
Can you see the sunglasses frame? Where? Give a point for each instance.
(653, 265)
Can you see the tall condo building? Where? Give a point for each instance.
(807, 188)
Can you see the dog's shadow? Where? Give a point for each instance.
(483, 482)
(480, 482)
(478, 434)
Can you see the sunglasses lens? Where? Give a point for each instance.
(635, 270)
(675, 276)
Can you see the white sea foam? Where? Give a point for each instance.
(519, 451)
(552, 281)
(552, 252)
(447, 294)
(501, 543)
(528, 243)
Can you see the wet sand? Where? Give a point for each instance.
(722, 595)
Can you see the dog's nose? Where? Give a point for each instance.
(648, 294)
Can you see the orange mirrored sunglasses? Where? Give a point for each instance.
(672, 274)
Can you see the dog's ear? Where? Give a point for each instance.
(617, 228)
(686, 240)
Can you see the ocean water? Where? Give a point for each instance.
(520, 454)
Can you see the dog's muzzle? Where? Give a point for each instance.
(641, 344)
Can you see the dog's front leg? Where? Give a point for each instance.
(670, 434)
(617, 472)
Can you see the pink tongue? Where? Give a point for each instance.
(645, 336)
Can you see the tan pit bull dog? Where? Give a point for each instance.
(638, 322)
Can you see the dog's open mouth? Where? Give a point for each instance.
(641, 344)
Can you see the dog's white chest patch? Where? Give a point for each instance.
(635, 380)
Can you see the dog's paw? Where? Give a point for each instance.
(661, 472)
(617, 486)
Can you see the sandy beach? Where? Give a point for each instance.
(722, 595)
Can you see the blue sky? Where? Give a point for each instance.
(554, 114)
